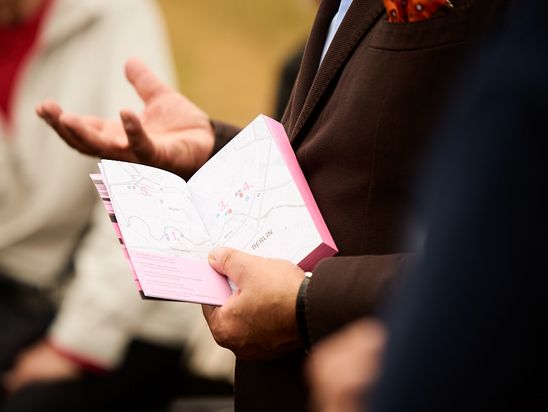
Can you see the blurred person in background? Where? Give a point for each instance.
(75, 334)
(286, 79)
(367, 96)
(467, 330)
(288, 74)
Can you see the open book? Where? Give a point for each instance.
(251, 195)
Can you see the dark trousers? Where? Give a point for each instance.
(148, 380)
(25, 314)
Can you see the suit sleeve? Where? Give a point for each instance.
(224, 132)
(343, 289)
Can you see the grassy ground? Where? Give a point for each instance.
(228, 52)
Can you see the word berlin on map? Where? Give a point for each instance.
(251, 196)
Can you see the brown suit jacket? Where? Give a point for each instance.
(359, 126)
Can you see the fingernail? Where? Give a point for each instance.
(215, 255)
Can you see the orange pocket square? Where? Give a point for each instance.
(403, 11)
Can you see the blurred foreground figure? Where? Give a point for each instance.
(468, 330)
(74, 333)
(345, 365)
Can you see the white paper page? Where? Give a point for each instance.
(155, 211)
(247, 199)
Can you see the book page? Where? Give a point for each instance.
(163, 233)
(248, 199)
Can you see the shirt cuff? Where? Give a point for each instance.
(100, 338)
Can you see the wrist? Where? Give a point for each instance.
(300, 311)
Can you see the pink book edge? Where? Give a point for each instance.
(97, 178)
(281, 139)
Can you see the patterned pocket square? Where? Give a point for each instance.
(404, 11)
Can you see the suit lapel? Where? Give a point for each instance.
(311, 83)
(311, 58)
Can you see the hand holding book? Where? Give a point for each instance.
(251, 196)
(259, 321)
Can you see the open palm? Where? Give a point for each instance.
(171, 133)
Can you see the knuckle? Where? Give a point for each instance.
(228, 259)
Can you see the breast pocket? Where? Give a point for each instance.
(447, 27)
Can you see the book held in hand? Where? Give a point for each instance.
(251, 196)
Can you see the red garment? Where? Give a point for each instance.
(16, 43)
(403, 11)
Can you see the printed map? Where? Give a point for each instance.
(154, 211)
(248, 200)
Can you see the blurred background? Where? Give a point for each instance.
(229, 53)
(57, 248)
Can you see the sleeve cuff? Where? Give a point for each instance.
(223, 134)
(95, 341)
(89, 365)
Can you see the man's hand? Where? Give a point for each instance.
(171, 133)
(345, 366)
(39, 363)
(258, 321)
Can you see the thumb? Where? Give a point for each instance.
(145, 82)
(234, 264)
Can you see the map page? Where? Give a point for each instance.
(164, 235)
(249, 199)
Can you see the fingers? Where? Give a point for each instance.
(51, 112)
(69, 128)
(139, 142)
(84, 139)
(48, 108)
(10, 382)
(144, 80)
(345, 365)
(234, 264)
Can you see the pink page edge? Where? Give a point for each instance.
(98, 179)
(285, 148)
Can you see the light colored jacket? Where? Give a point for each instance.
(50, 214)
